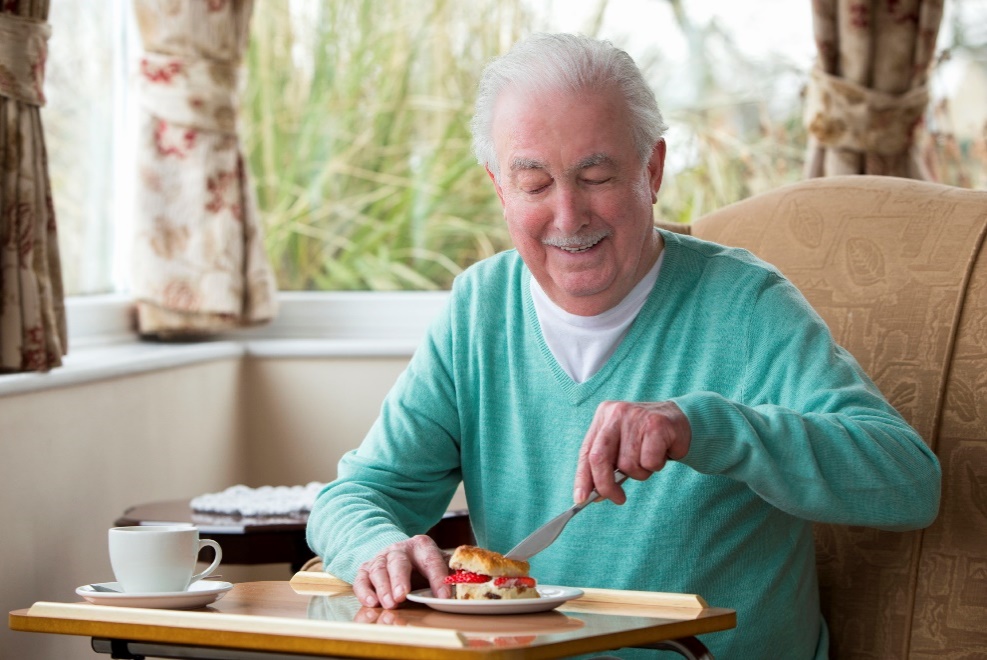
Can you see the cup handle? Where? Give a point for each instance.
(215, 562)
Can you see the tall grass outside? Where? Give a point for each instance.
(356, 126)
(357, 134)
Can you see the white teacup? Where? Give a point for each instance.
(158, 558)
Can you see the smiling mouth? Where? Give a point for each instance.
(575, 245)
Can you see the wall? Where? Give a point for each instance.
(72, 459)
(302, 414)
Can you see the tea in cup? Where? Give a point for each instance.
(158, 558)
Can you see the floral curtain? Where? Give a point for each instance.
(199, 261)
(867, 93)
(32, 308)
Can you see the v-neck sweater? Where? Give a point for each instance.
(786, 429)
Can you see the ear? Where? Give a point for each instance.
(493, 177)
(656, 167)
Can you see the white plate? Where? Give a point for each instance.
(199, 594)
(551, 597)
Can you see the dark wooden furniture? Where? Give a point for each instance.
(268, 540)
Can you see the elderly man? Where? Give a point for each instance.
(602, 343)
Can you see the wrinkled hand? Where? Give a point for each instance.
(637, 438)
(386, 579)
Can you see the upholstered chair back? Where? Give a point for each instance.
(898, 269)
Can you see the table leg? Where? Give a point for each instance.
(115, 648)
(688, 647)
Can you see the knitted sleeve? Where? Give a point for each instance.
(400, 480)
(812, 436)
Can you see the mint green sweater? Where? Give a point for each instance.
(786, 429)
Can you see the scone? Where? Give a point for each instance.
(483, 574)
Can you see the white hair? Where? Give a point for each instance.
(571, 63)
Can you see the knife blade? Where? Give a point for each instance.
(545, 535)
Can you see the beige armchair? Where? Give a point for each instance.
(898, 269)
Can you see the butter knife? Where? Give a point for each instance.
(543, 537)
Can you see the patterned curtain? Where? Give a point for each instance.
(32, 308)
(199, 261)
(867, 93)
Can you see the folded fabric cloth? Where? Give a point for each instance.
(264, 501)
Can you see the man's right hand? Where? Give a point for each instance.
(638, 438)
(386, 579)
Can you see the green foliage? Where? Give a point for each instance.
(355, 122)
(356, 128)
(729, 163)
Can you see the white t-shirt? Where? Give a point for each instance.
(583, 344)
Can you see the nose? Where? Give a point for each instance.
(571, 212)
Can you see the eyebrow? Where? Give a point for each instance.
(593, 160)
(518, 164)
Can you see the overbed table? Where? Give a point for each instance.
(314, 615)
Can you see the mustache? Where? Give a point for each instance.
(576, 240)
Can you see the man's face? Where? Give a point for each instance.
(576, 197)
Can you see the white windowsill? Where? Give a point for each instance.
(103, 342)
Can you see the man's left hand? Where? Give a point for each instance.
(637, 438)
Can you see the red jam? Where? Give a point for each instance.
(466, 577)
(508, 582)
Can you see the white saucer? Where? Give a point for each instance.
(551, 597)
(199, 594)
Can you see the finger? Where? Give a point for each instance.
(431, 563)
(363, 589)
(602, 455)
(583, 482)
(632, 439)
(611, 490)
(667, 437)
(399, 574)
(381, 580)
(654, 452)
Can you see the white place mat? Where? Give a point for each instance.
(263, 501)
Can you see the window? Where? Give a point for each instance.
(355, 118)
(87, 135)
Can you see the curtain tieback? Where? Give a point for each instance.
(23, 52)
(194, 92)
(844, 115)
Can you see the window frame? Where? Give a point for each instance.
(103, 339)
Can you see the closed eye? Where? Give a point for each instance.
(535, 187)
